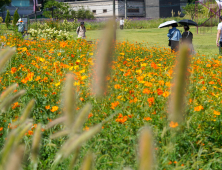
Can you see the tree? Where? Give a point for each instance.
(4, 2)
(60, 10)
(15, 17)
(7, 19)
(189, 9)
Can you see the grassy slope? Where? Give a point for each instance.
(203, 43)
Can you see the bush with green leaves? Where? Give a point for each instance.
(15, 17)
(7, 19)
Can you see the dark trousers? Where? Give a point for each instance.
(121, 27)
(220, 47)
(174, 46)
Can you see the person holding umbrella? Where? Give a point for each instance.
(219, 35)
(174, 37)
(187, 38)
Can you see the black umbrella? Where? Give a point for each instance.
(187, 22)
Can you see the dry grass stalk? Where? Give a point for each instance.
(180, 81)
(60, 134)
(77, 140)
(146, 151)
(36, 144)
(88, 162)
(74, 159)
(15, 159)
(5, 55)
(9, 90)
(27, 111)
(80, 120)
(69, 100)
(7, 102)
(55, 122)
(104, 59)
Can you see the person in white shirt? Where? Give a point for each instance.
(121, 23)
(81, 31)
(219, 35)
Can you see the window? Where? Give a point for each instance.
(135, 10)
(94, 11)
(105, 11)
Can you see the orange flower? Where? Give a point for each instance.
(146, 91)
(117, 86)
(150, 101)
(47, 107)
(159, 91)
(115, 104)
(173, 125)
(54, 108)
(147, 118)
(86, 128)
(1, 128)
(30, 132)
(216, 113)
(13, 70)
(14, 105)
(90, 115)
(166, 94)
(198, 108)
(81, 99)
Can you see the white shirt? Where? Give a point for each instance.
(220, 28)
(121, 22)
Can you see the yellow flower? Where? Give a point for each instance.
(57, 84)
(54, 108)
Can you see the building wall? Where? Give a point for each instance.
(152, 8)
(105, 8)
(167, 6)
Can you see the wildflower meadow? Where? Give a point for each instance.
(138, 94)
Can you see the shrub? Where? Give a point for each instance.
(15, 17)
(7, 19)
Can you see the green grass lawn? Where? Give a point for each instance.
(204, 44)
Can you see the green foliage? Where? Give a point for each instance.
(15, 17)
(1, 20)
(62, 11)
(189, 9)
(4, 2)
(7, 19)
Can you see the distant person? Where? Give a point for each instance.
(174, 38)
(81, 31)
(187, 38)
(219, 35)
(121, 23)
(21, 26)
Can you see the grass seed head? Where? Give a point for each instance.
(15, 159)
(146, 151)
(69, 100)
(104, 59)
(5, 55)
(7, 92)
(180, 81)
(27, 111)
(88, 162)
(36, 143)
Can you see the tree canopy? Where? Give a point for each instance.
(4, 2)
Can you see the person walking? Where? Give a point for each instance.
(219, 36)
(121, 23)
(21, 27)
(174, 38)
(81, 31)
(187, 38)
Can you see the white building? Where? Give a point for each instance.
(104, 8)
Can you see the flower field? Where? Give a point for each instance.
(138, 94)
